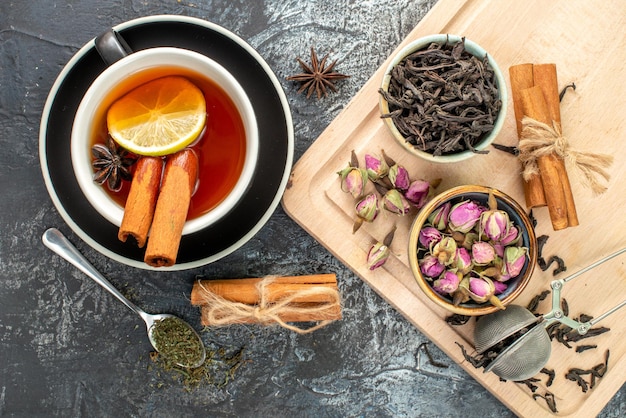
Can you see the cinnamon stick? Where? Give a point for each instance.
(234, 301)
(141, 201)
(545, 77)
(179, 179)
(522, 78)
(330, 313)
(535, 107)
(245, 290)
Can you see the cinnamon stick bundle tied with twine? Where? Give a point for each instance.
(540, 139)
(269, 300)
(543, 151)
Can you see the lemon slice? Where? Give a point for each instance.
(159, 117)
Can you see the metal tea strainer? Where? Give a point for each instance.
(528, 354)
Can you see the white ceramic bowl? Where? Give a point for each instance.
(128, 71)
(473, 49)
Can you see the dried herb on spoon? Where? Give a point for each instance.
(177, 341)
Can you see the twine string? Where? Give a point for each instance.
(540, 139)
(220, 311)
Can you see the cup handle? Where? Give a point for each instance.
(111, 46)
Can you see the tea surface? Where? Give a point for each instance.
(221, 147)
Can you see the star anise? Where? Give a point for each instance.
(317, 77)
(111, 164)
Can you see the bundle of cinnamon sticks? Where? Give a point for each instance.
(268, 300)
(158, 203)
(535, 92)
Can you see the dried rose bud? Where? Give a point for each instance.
(514, 260)
(379, 253)
(513, 237)
(445, 250)
(399, 177)
(418, 193)
(483, 253)
(481, 289)
(464, 216)
(448, 283)
(366, 210)
(430, 266)
(376, 168)
(494, 224)
(500, 287)
(395, 202)
(439, 217)
(377, 256)
(353, 180)
(463, 262)
(429, 236)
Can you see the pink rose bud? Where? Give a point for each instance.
(394, 202)
(494, 224)
(429, 236)
(512, 238)
(500, 287)
(366, 211)
(445, 250)
(376, 168)
(418, 193)
(481, 289)
(483, 253)
(353, 180)
(399, 177)
(439, 217)
(514, 260)
(464, 262)
(430, 266)
(448, 283)
(464, 216)
(377, 256)
(367, 208)
(379, 252)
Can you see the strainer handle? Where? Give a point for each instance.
(592, 266)
(584, 327)
(557, 314)
(607, 313)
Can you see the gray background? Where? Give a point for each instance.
(67, 348)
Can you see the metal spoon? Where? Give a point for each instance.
(57, 242)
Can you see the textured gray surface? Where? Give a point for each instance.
(69, 349)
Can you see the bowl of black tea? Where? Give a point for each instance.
(443, 98)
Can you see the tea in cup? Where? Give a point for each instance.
(226, 150)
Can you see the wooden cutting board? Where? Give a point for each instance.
(587, 42)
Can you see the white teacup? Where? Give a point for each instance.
(129, 72)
